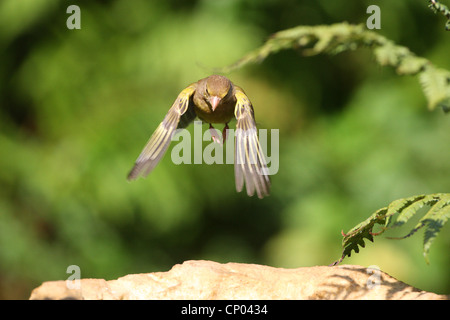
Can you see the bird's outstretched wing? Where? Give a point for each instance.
(158, 143)
(249, 165)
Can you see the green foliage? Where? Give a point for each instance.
(436, 6)
(336, 38)
(395, 215)
(436, 85)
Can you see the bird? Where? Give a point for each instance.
(213, 100)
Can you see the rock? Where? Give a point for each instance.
(204, 280)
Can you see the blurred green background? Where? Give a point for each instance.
(77, 107)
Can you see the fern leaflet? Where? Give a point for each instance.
(401, 210)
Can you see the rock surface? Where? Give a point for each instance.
(203, 280)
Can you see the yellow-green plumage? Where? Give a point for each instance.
(214, 99)
(216, 86)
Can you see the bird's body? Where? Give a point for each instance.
(214, 99)
(224, 111)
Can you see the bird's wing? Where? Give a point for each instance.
(188, 116)
(249, 165)
(158, 143)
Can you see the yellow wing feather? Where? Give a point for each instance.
(250, 165)
(160, 140)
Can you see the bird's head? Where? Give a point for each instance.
(217, 88)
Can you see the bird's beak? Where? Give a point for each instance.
(214, 101)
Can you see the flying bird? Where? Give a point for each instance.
(214, 100)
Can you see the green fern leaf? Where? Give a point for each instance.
(439, 7)
(433, 228)
(403, 209)
(437, 201)
(399, 205)
(411, 206)
(355, 237)
(339, 37)
(436, 86)
(434, 221)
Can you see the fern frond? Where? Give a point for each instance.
(404, 209)
(355, 237)
(439, 7)
(400, 205)
(412, 205)
(336, 38)
(434, 220)
(436, 86)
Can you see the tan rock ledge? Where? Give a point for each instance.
(204, 280)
